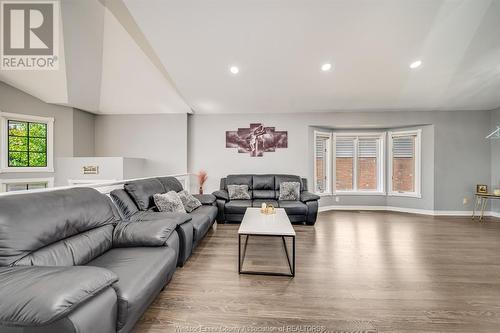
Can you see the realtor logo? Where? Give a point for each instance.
(29, 35)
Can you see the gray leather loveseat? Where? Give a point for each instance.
(68, 264)
(135, 203)
(265, 188)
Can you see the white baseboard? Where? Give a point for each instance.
(408, 210)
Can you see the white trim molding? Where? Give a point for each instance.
(418, 163)
(4, 139)
(404, 210)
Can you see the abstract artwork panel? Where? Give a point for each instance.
(256, 139)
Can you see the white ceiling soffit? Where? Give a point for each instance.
(102, 68)
(279, 47)
(130, 82)
(47, 85)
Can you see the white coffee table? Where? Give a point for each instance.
(256, 223)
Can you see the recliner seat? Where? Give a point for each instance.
(265, 189)
(135, 203)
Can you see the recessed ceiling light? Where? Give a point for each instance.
(326, 67)
(416, 64)
(234, 69)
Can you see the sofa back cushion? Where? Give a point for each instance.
(32, 221)
(124, 202)
(142, 191)
(171, 184)
(73, 251)
(263, 186)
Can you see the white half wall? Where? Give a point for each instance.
(161, 139)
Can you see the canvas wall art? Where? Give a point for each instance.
(256, 139)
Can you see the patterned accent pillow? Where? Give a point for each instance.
(169, 202)
(238, 192)
(189, 201)
(289, 191)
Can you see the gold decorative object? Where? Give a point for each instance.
(496, 192)
(481, 188)
(269, 210)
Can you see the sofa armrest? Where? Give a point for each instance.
(143, 233)
(205, 199)
(40, 295)
(306, 196)
(221, 194)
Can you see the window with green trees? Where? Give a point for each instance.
(27, 144)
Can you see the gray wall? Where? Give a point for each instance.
(83, 133)
(159, 138)
(461, 154)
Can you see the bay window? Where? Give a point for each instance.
(322, 162)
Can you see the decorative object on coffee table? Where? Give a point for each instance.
(202, 178)
(256, 139)
(481, 188)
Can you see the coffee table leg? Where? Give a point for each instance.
(293, 257)
(241, 258)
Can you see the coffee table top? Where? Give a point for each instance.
(256, 223)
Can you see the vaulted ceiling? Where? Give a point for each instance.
(136, 56)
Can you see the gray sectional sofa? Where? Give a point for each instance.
(135, 203)
(68, 263)
(266, 188)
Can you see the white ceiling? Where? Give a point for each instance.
(280, 45)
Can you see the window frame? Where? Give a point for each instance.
(380, 163)
(418, 163)
(4, 144)
(328, 156)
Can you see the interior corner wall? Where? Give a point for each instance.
(83, 133)
(161, 139)
(461, 154)
(495, 158)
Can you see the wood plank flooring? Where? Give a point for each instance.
(356, 272)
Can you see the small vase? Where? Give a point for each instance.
(201, 190)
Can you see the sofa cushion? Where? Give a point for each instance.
(289, 191)
(171, 184)
(72, 251)
(259, 202)
(189, 202)
(142, 273)
(126, 206)
(238, 192)
(31, 221)
(169, 202)
(263, 194)
(237, 206)
(293, 207)
(239, 180)
(263, 182)
(36, 296)
(202, 219)
(142, 191)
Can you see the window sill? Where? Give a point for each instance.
(360, 193)
(26, 170)
(403, 194)
(323, 194)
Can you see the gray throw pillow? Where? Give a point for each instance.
(238, 192)
(169, 202)
(289, 191)
(189, 201)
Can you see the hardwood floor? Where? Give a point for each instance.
(356, 272)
